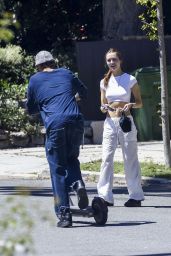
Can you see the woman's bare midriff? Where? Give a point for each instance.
(118, 106)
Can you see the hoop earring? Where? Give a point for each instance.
(106, 66)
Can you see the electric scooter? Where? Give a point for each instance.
(98, 210)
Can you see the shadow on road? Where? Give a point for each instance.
(114, 224)
(158, 254)
(159, 190)
(25, 190)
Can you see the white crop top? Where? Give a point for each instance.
(119, 87)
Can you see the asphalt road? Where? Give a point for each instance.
(128, 231)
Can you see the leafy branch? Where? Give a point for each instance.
(149, 18)
(7, 20)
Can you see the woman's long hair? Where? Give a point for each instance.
(109, 73)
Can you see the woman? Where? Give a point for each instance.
(116, 89)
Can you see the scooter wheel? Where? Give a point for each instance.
(100, 210)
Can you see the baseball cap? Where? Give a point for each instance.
(42, 57)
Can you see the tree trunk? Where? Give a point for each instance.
(164, 87)
(120, 18)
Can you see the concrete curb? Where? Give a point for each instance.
(120, 179)
(88, 176)
(31, 163)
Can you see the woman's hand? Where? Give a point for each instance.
(127, 107)
(104, 108)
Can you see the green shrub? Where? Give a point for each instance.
(13, 116)
(16, 67)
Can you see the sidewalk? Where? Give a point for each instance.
(31, 163)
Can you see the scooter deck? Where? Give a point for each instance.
(87, 212)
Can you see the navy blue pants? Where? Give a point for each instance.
(62, 151)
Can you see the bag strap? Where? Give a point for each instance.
(123, 114)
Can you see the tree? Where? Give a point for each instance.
(118, 21)
(50, 24)
(7, 22)
(120, 18)
(153, 23)
(164, 86)
(56, 25)
(6, 34)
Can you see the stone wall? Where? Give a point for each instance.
(92, 135)
(20, 139)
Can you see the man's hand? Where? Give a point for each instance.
(77, 97)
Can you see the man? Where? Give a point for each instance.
(51, 91)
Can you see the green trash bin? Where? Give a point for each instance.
(147, 119)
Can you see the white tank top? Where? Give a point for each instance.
(119, 87)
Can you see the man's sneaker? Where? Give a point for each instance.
(133, 203)
(65, 219)
(79, 187)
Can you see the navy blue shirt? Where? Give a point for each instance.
(53, 94)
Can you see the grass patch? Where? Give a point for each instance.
(148, 169)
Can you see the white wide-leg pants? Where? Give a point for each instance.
(112, 135)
